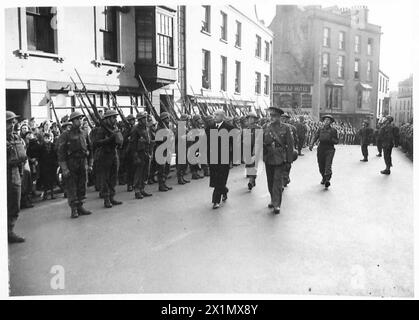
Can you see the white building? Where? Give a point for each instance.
(401, 104)
(223, 56)
(383, 95)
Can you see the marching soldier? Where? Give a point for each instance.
(378, 141)
(126, 172)
(285, 119)
(163, 169)
(73, 153)
(106, 139)
(365, 135)
(389, 136)
(301, 134)
(16, 158)
(140, 150)
(252, 125)
(328, 137)
(277, 154)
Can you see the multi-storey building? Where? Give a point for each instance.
(401, 103)
(224, 55)
(326, 60)
(109, 46)
(383, 97)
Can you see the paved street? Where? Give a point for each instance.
(355, 239)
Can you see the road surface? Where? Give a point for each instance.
(354, 239)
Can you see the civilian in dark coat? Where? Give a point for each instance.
(219, 171)
(48, 164)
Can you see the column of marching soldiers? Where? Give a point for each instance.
(95, 149)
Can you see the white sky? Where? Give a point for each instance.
(394, 17)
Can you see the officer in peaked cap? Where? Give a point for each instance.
(105, 142)
(389, 135)
(73, 157)
(278, 147)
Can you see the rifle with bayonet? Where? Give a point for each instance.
(200, 109)
(83, 103)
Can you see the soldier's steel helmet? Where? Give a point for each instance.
(141, 115)
(164, 115)
(183, 117)
(196, 117)
(65, 124)
(328, 116)
(390, 118)
(130, 117)
(75, 115)
(110, 113)
(10, 115)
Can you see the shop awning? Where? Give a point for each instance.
(333, 83)
(364, 86)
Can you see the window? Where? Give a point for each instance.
(258, 51)
(206, 19)
(206, 64)
(357, 44)
(326, 37)
(40, 35)
(165, 39)
(237, 80)
(341, 40)
(356, 69)
(369, 70)
(369, 48)
(257, 82)
(363, 98)
(223, 75)
(267, 51)
(223, 26)
(238, 34)
(108, 33)
(341, 67)
(325, 64)
(334, 97)
(144, 33)
(266, 87)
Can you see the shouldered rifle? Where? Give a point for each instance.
(51, 103)
(186, 106)
(118, 109)
(150, 104)
(134, 103)
(200, 109)
(83, 103)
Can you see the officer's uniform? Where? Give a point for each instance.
(73, 156)
(328, 137)
(139, 153)
(16, 158)
(105, 142)
(277, 154)
(365, 135)
(389, 136)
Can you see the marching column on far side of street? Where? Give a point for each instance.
(74, 158)
(390, 137)
(105, 140)
(328, 137)
(278, 149)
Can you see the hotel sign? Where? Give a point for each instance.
(301, 88)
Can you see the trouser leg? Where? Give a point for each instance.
(364, 148)
(321, 161)
(379, 146)
(216, 195)
(329, 154)
(13, 197)
(387, 157)
(139, 177)
(277, 186)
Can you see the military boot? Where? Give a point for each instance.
(107, 203)
(180, 180)
(14, 238)
(184, 180)
(74, 213)
(82, 211)
(115, 202)
(167, 187)
(145, 194)
(138, 195)
(386, 171)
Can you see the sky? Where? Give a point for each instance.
(396, 21)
